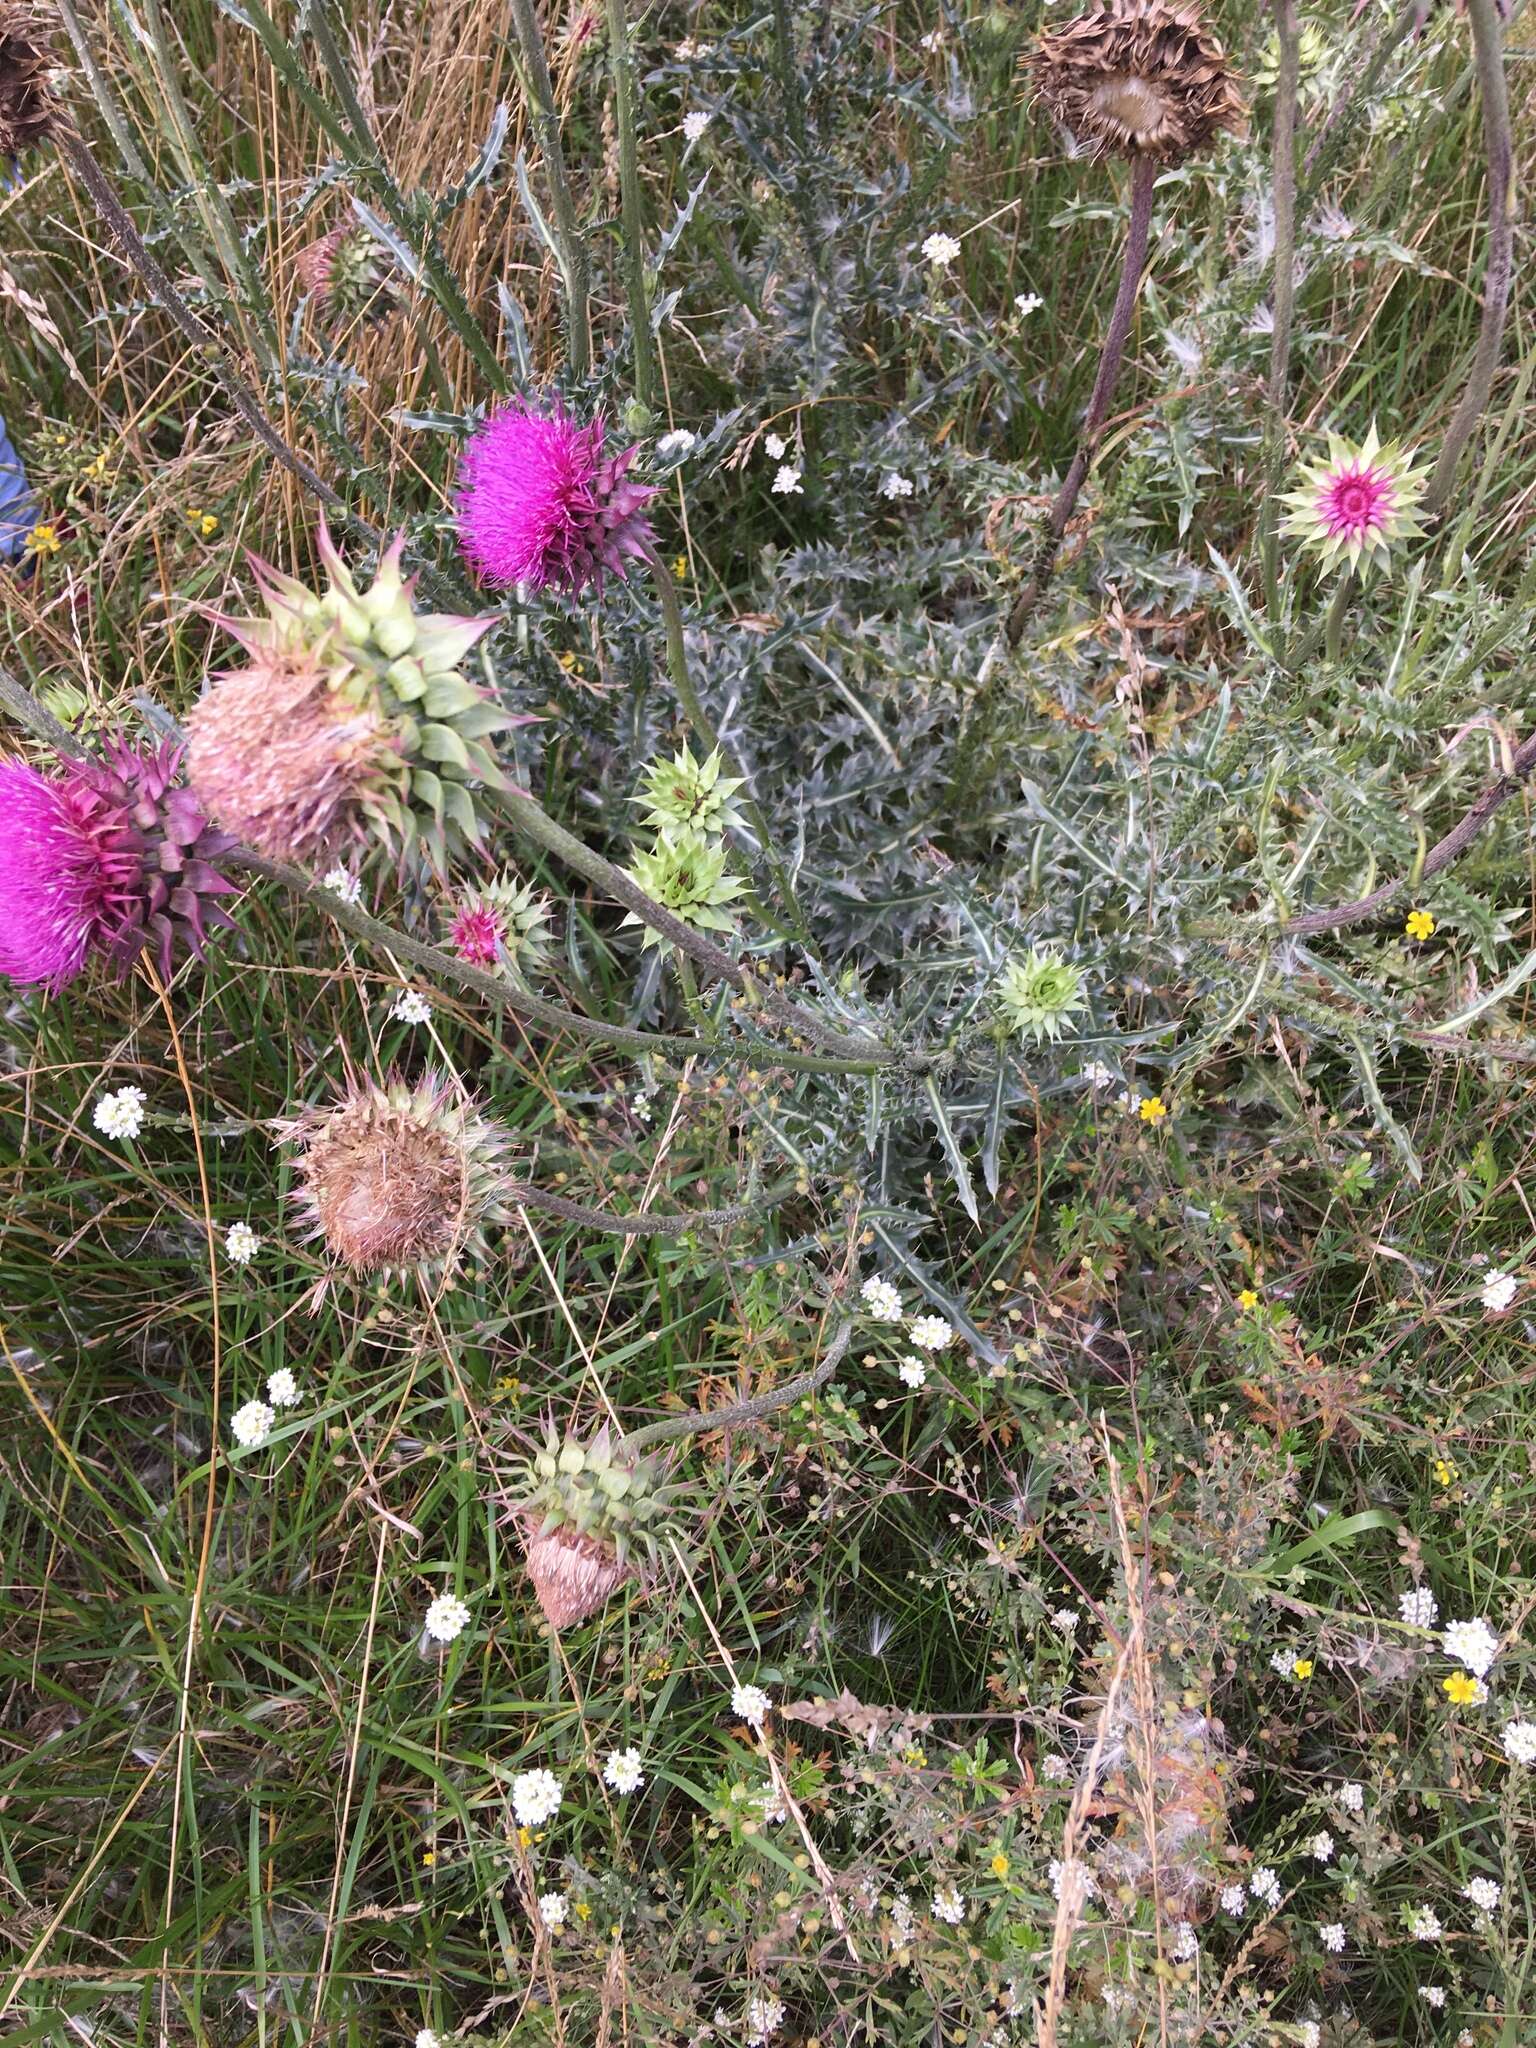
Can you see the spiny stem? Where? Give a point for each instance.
(623, 68)
(752, 1409)
(1488, 50)
(643, 1224)
(574, 265)
(1338, 608)
(1284, 160)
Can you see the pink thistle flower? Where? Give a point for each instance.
(1355, 505)
(538, 504)
(105, 857)
(476, 935)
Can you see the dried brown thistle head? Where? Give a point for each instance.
(1138, 78)
(29, 109)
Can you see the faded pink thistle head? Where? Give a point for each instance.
(106, 856)
(538, 504)
(476, 935)
(1355, 505)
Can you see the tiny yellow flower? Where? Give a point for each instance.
(680, 567)
(1303, 1667)
(1153, 1109)
(1444, 1472)
(1461, 1688)
(208, 526)
(583, 1910)
(565, 659)
(44, 539)
(1247, 1299)
(1420, 924)
(999, 1865)
(429, 1857)
(524, 1837)
(916, 1757)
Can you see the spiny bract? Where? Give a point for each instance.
(585, 1510)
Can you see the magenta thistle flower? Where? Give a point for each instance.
(1355, 505)
(538, 503)
(476, 935)
(107, 857)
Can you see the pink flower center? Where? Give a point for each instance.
(477, 935)
(1358, 502)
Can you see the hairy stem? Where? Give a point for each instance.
(1284, 159)
(1488, 51)
(575, 266)
(752, 1409)
(642, 1224)
(623, 68)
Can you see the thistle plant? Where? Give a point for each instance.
(505, 923)
(685, 793)
(1355, 504)
(589, 1514)
(1038, 996)
(687, 871)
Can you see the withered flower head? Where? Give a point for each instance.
(401, 1178)
(29, 111)
(1138, 78)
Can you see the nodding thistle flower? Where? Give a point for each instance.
(1138, 78)
(504, 924)
(1355, 505)
(540, 504)
(105, 857)
(1038, 996)
(343, 273)
(685, 792)
(685, 872)
(401, 1178)
(585, 1511)
(351, 719)
(29, 110)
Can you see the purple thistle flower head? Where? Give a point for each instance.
(104, 857)
(538, 504)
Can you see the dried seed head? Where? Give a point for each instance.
(1138, 78)
(585, 1509)
(29, 111)
(573, 1575)
(401, 1178)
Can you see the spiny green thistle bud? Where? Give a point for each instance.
(352, 717)
(505, 923)
(587, 1512)
(685, 871)
(683, 791)
(1037, 996)
(344, 272)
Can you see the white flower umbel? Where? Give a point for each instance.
(349, 887)
(1233, 1898)
(695, 123)
(1186, 1943)
(1265, 1886)
(283, 1388)
(752, 1704)
(896, 485)
(941, 250)
(1350, 1796)
(1065, 1619)
(410, 1007)
(1331, 1935)
(763, 2017)
(1026, 303)
(1499, 1290)
(251, 1425)
(1483, 1893)
(447, 1618)
(121, 1115)
(535, 1798)
(1424, 1924)
(427, 2037)
(786, 481)
(930, 1333)
(1320, 1848)
(1418, 1607)
(674, 446)
(622, 1771)
(1433, 1994)
(241, 1245)
(881, 1299)
(948, 1905)
(912, 1372)
(775, 447)
(554, 1907)
(1520, 1741)
(1472, 1643)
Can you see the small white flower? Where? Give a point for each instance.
(241, 1245)
(535, 1797)
(687, 50)
(1311, 2035)
(948, 1905)
(1483, 1893)
(410, 1007)
(1424, 1924)
(1418, 1607)
(1129, 1101)
(121, 1115)
(903, 1925)
(1320, 1848)
(553, 1908)
(1265, 1885)
(283, 1388)
(695, 123)
(912, 1372)
(349, 887)
(677, 444)
(941, 250)
(930, 1333)
(1096, 1074)
(1066, 1619)
(1520, 1741)
(881, 1299)
(752, 1704)
(775, 446)
(1283, 1661)
(1433, 1994)
(427, 2038)
(1233, 1898)
(1186, 1943)
(1350, 1796)
(1499, 1290)
(1472, 1643)
(786, 481)
(622, 1771)
(1026, 303)
(1056, 1768)
(1072, 1880)
(640, 1107)
(251, 1425)
(896, 485)
(771, 1805)
(764, 2016)
(447, 1618)
(932, 41)
(1331, 1935)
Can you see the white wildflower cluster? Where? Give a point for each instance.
(536, 1797)
(343, 883)
(694, 124)
(121, 1113)
(752, 1704)
(763, 2017)
(940, 249)
(930, 1333)
(948, 1905)
(283, 1388)
(881, 1299)
(554, 1908)
(1483, 1893)
(241, 1244)
(896, 485)
(1520, 1741)
(251, 1425)
(1499, 1290)
(411, 1007)
(447, 1619)
(911, 1371)
(1472, 1643)
(786, 481)
(1418, 1607)
(622, 1771)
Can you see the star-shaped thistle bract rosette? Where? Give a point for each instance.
(1357, 503)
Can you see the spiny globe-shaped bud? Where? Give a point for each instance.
(1138, 78)
(343, 273)
(106, 857)
(370, 725)
(1039, 995)
(505, 924)
(686, 792)
(29, 110)
(685, 871)
(587, 1511)
(399, 1178)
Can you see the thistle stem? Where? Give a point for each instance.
(575, 267)
(1284, 160)
(752, 1409)
(1488, 51)
(622, 64)
(642, 1224)
(1338, 608)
